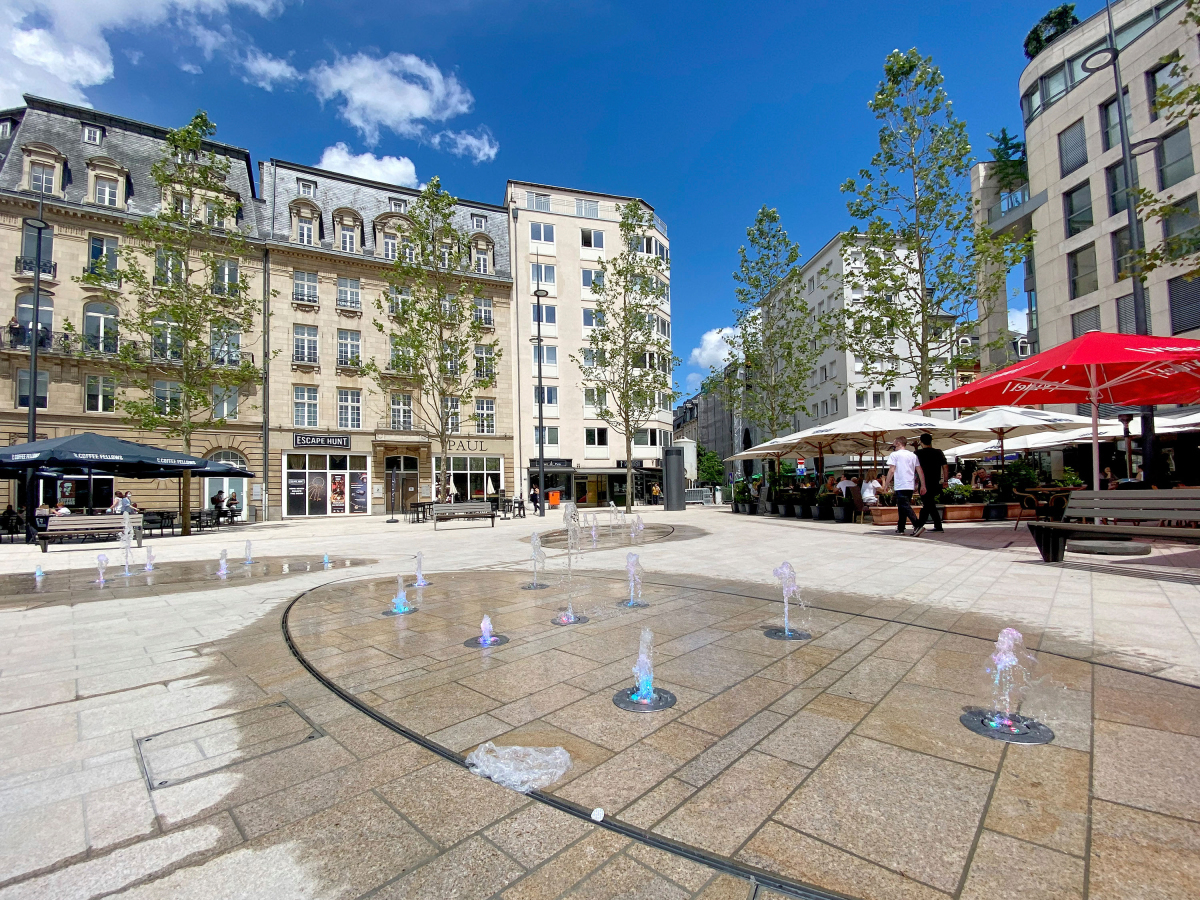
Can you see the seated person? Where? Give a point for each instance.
(61, 509)
(981, 480)
(955, 478)
(845, 484)
(218, 500)
(231, 502)
(870, 489)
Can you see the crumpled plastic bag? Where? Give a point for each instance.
(522, 769)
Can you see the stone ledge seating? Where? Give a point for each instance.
(1128, 510)
(471, 510)
(59, 527)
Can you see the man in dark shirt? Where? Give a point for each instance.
(933, 466)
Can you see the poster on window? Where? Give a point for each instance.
(297, 502)
(337, 493)
(318, 493)
(358, 492)
(66, 492)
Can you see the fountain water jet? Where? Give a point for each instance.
(636, 529)
(787, 580)
(101, 565)
(38, 574)
(325, 563)
(420, 580)
(486, 638)
(249, 555)
(149, 560)
(633, 568)
(644, 696)
(400, 605)
(223, 565)
(126, 538)
(538, 557)
(595, 528)
(1010, 665)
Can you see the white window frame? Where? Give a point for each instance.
(225, 403)
(390, 243)
(402, 412)
(168, 397)
(587, 238)
(484, 312)
(349, 293)
(398, 204)
(304, 286)
(305, 406)
(452, 413)
(485, 415)
(304, 231)
(106, 386)
(539, 202)
(591, 278)
(481, 262)
(485, 361)
(349, 347)
(587, 209)
(38, 174)
(895, 400)
(551, 436)
(106, 191)
(541, 229)
(305, 188)
(347, 238)
(305, 346)
(478, 222)
(349, 408)
(549, 369)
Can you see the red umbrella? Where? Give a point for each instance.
(1098, 367)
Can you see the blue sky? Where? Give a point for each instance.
(706, 110)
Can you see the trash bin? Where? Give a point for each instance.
(552, 498)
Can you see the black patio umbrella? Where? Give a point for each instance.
(90, 453)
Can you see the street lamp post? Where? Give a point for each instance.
(541, 294)
(39, 225)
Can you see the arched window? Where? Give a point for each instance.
(166, 340)
(45, 318)
(100, 327)
(229, 456)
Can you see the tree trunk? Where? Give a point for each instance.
(185, 505)
(628, 472)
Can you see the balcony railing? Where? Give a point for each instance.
(26, 265)
(108, 277)
(305, 357)
(1009, 201)
(71, 343)
(304, 297)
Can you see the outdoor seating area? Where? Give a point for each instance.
(450, 512)
(59, 528)
(1121, 515)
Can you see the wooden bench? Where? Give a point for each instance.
(1138, 514)
(107, 526)
(472, 510)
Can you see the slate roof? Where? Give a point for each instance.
(134, 145)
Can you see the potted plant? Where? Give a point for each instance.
(885, 512)
(843, 509)
(741, 497)
(994, 509)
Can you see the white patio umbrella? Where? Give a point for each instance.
(1007, 422)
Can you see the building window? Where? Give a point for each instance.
(349, 347)
(485, 416)
(347, 238)
(1161, 80)
(541, 274)
(102, 255)
(451, 410)
(1118, 196)
(833, 405)
(481, 262)
(1183, 297)
(306, 188)
(304, 400)
(398, 205)
(1081, 268)
(349, 408)
(168, 398)
(1181, 227)
(592, 319)
(5, 129)
(1084, 321)
(41, 178)
(349, 295)
(106, 191)
(1126, 321)
(225, 278)
(547, 315)
(100, 394)
(304, 231)
(304, 286)
(1077, 206)
(478, 222)
(877, 400)
(551, 433)
(225, 403)
(407, 251)
(541, 233)
(389, 246)
(590, 237)
(593, 279)
(100, 327)
(166, 340)
(304, 344)
(43, 388)
(824, 370)
(1175, 158)
(894, 400)
(485, 361)
(546, 395)
(860, 399)
(1110, 127)
(402, 416)
(595, 437)
(593, 399)
(824, 407)
(549, 357)
(1122, 254)
(540, 202)
(1072, 148)
(588, 209)
(225, 344)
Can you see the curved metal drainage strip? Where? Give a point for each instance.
(720, 863)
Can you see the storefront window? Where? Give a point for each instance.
(334, 484)
(473, 477)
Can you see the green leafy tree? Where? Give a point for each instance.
(183, 300)
(775, 338)
(709, 468)
(1049, 28)
(441, 354)
(925, 270)
(627, 361)
(1009, 165)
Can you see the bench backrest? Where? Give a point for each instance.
(90, 523)
(471, 507)
(1175, 506)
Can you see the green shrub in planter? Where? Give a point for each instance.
(956, 493)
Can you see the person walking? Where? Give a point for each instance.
(655, 493)
(934, 468)
(904, 475)
(535, 499)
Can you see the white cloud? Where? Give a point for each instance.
(399, 92)
(265, 71)
(390, 169)
(481, 146)
(191, 68)
(692, 384)
(713, 349)
(1018, 320)
(59, 48)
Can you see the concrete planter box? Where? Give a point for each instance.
(951, 512)
(821, 512)
(962, 512)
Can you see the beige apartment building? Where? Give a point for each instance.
(91, 172)
(1075, 199)
(338, 445)
(558, 238)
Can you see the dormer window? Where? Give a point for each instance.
(399, 205)
(41, 178)
(92, 134)
(347, 239)
(389, 246)
(478, 223)
(5, 129)
(306, 188)
(304, 231)
(106, 191)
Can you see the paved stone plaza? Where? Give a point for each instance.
(161, 738)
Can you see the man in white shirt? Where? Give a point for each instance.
(844, 485)
(904, 475)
